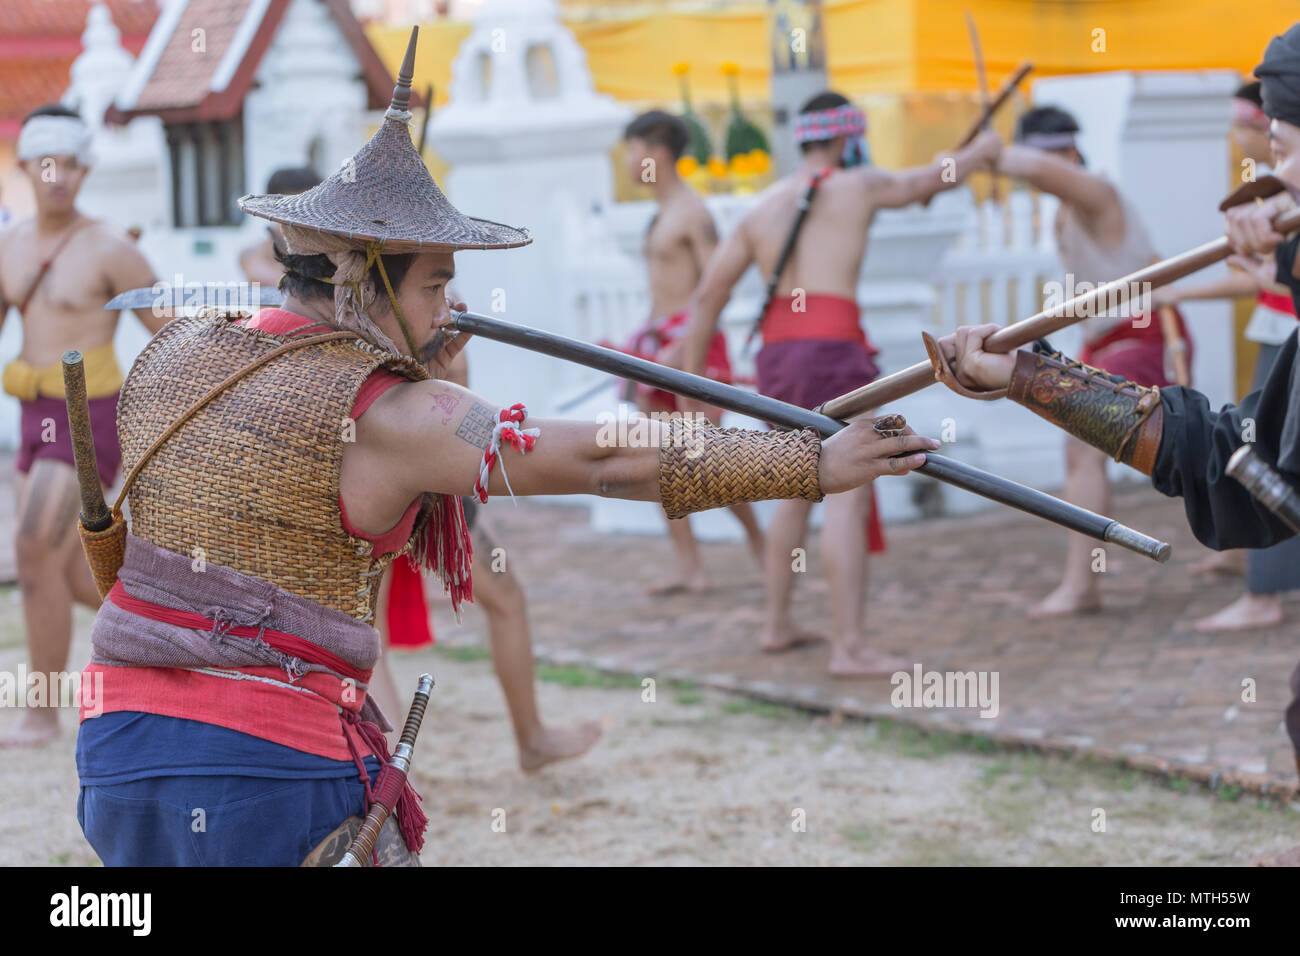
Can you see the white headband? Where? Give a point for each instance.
(1048, 140)
(43, 136)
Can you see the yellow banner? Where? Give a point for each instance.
(891, 46)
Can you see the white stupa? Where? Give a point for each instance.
(520, 89)
(101, 69)
(528, 140)
(126, 183)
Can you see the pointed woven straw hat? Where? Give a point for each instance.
(385, 194)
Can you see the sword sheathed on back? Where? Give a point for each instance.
(103, 532)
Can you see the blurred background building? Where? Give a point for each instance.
(196, 102)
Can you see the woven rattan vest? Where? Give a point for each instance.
(251, 482)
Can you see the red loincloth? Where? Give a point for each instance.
(650, 341)
(408, 615)
(1137, 354)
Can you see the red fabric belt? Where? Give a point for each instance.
(822, 317)
(288, 643)
(1131, 331)
(1277, 302)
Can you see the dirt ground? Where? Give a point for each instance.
(703, 777)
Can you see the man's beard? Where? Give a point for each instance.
(429, 351)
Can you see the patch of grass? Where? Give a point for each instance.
(911, 741)
(1128, 779)
(60, 859)
(689, 698)
(465, 653)
(857, 834)
(761, 708)
(938, 850)
(993, 771)
(696, 720)
(1229, 792)
(577, 675)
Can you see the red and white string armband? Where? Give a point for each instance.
(506, 430)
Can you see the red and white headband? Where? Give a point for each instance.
(846, 120)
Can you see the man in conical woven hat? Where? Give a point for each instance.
(277, 465)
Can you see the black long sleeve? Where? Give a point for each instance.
(1196, 443)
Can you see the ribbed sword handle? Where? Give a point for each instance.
(362, 849)
(94, 510)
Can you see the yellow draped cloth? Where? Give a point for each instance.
(27, 382)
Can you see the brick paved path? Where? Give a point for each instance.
(1134, 683)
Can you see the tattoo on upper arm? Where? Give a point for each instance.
(476, 427)
(445, 402)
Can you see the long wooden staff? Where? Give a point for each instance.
(982, 78)
(428, 115)
(993, 105)
(1103, 299)
(1175, 344)
(780, 413)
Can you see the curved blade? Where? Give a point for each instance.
(977, 50)
(231, 296)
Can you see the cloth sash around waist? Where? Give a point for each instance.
(27, 382)
(168, 611)
(813, 317)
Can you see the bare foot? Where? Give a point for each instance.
(788, 641)
(866, 662)
(37, 726)
(1064, 602)
(1247, 612)
(550, 744)
(697, 583)
(1230, 564)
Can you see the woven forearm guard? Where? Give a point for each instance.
(702, 466)
(1121, 418)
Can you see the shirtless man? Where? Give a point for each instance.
(57, 270)
(258, 261)
(678, 244)
(813, 345)
(1100, 237)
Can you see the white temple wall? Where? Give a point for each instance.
(307, 94)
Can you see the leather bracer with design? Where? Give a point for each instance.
(1108, 412)
(702, 466)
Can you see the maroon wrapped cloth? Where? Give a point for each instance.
(120, 638)
(164, 578)
(808, 372)
(45, 433)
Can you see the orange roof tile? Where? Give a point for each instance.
(179, 88)
(42, 18)
(39, 39)
(183, 74)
